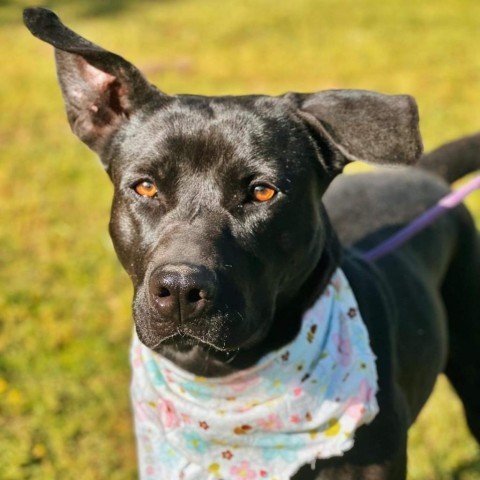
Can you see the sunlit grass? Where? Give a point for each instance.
(65, 302)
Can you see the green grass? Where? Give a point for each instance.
(65, 302)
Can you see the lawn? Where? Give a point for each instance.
(65, 302)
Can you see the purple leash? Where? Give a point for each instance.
(442, 206)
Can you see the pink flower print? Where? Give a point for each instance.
(356, 405)
(168, 376)
(344, 347)
(297, 392)
(337, 284)
(137, 357)
(150, 470)
(355, 410)
(270, 423)
(168, 414)
(295, 418)
(140, 411)
(242, 471)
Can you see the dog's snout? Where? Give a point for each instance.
(182, 292)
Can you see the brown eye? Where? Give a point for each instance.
(146, 189)
(262, 193)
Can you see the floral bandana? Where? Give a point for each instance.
(300, 403)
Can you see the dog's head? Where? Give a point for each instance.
(217, 213)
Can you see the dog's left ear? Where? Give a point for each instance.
(350, 125)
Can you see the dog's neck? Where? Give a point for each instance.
(287, 321)
(330, 260)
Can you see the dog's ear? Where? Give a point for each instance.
(350, 125)
(101, 90)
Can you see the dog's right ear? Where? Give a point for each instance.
(101, 90)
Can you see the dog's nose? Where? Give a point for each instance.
(182, 292)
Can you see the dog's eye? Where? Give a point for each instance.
(146, 189)
(263, 193)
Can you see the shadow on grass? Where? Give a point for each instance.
(11, 10)
(466, 469)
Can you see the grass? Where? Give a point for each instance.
(65, 302)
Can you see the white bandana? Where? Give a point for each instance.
(300, 403)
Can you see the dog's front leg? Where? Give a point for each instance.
(393, 470)
(339, 469)
(379, 452)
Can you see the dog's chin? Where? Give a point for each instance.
(204, 356)
(185, 342)
(196, 355)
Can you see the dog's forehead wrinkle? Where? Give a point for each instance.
(223, 128)
(183, 118)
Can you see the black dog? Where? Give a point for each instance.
(218, 219)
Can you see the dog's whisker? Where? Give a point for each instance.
(233, 356)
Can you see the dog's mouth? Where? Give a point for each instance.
(197, 355)
(185, 341)
(204, 353)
